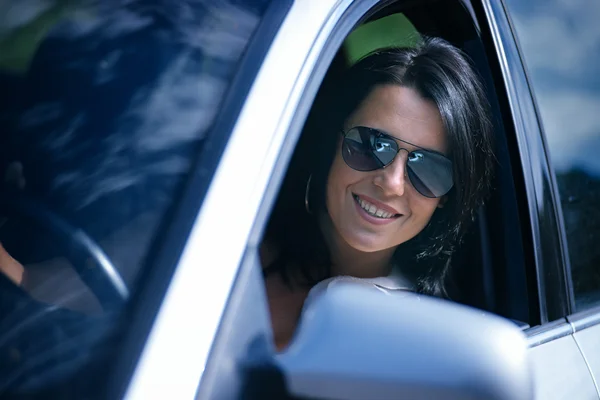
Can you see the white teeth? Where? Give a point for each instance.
(372, 210)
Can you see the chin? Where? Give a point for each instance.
(365, 243)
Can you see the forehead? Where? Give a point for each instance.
(401, 112)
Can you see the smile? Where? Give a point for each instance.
(372, 210)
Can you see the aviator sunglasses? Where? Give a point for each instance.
(367, 149)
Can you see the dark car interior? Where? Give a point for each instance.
(490, 263)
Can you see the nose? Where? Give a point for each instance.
(392, 178)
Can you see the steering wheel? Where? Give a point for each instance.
(88, 259)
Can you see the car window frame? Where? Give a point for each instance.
(143, 309)
(479, 13)
(544, 225)
(558, 204)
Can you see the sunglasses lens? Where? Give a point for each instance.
(430, 173)
(364, 150)
(357, 152)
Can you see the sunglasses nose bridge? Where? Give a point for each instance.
(393, 177)
(397, 156)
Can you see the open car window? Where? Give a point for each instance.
(489, 266)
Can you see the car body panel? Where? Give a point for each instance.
(588, 341)
(560, 371)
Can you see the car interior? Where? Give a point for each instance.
(489, 271)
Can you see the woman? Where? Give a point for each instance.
(395, 158)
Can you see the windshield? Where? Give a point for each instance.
(104, 108)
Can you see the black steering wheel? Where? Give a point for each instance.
(88, 259)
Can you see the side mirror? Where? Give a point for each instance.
(355, 342)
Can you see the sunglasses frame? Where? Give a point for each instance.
(379, 134)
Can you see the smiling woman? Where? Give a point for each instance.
(388, 199)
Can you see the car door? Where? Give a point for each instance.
(539, 44)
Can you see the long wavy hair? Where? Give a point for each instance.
(440, 73)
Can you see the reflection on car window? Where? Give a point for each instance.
(560, 41)
(104, 106)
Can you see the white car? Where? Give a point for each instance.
(143, 144)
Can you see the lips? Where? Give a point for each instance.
(374, 208)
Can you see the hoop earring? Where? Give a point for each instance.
(306, 194)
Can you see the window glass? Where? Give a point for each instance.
(560, 41)
(104, 106)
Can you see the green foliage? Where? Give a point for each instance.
(392, 31)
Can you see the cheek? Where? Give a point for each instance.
(336, 182)
(341, 178)
(423, 208)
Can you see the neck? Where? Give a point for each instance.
(346, 260)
